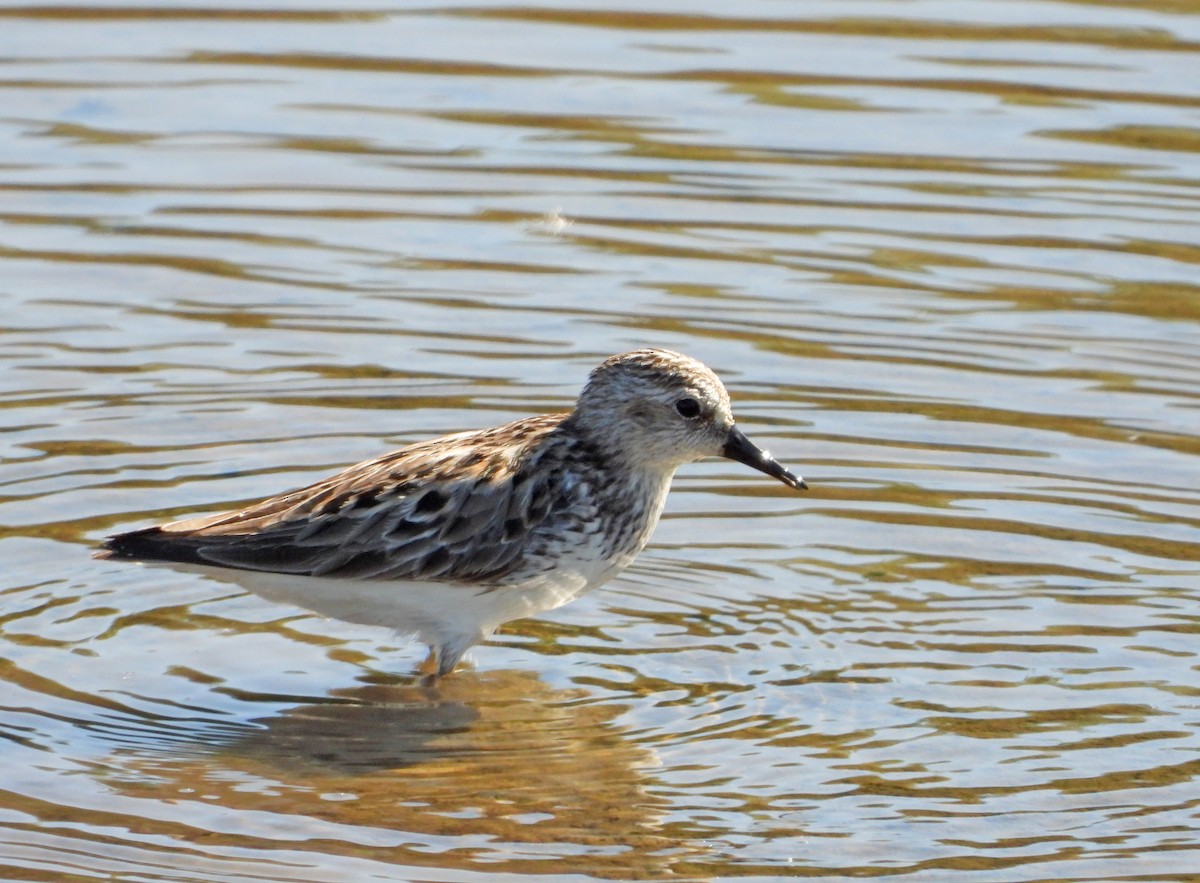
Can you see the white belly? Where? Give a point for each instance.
(434, 612)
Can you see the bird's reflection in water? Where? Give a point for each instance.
(498, 755)
(369, 729)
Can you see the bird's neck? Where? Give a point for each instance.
(626, 491)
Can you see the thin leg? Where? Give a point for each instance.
(429, 672)
(443, 657)
(448, 656)
(429, 665)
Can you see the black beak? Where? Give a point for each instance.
(738, 447)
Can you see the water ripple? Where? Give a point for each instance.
(943, 255)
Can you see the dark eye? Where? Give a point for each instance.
(688, 408)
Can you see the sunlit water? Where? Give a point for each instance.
(945, 256)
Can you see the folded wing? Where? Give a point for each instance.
(461, 512)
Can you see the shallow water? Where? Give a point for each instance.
(944, 255)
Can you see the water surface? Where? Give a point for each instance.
(944, 255)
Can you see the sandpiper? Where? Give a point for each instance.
(448, 539)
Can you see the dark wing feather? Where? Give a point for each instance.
(459, 509)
